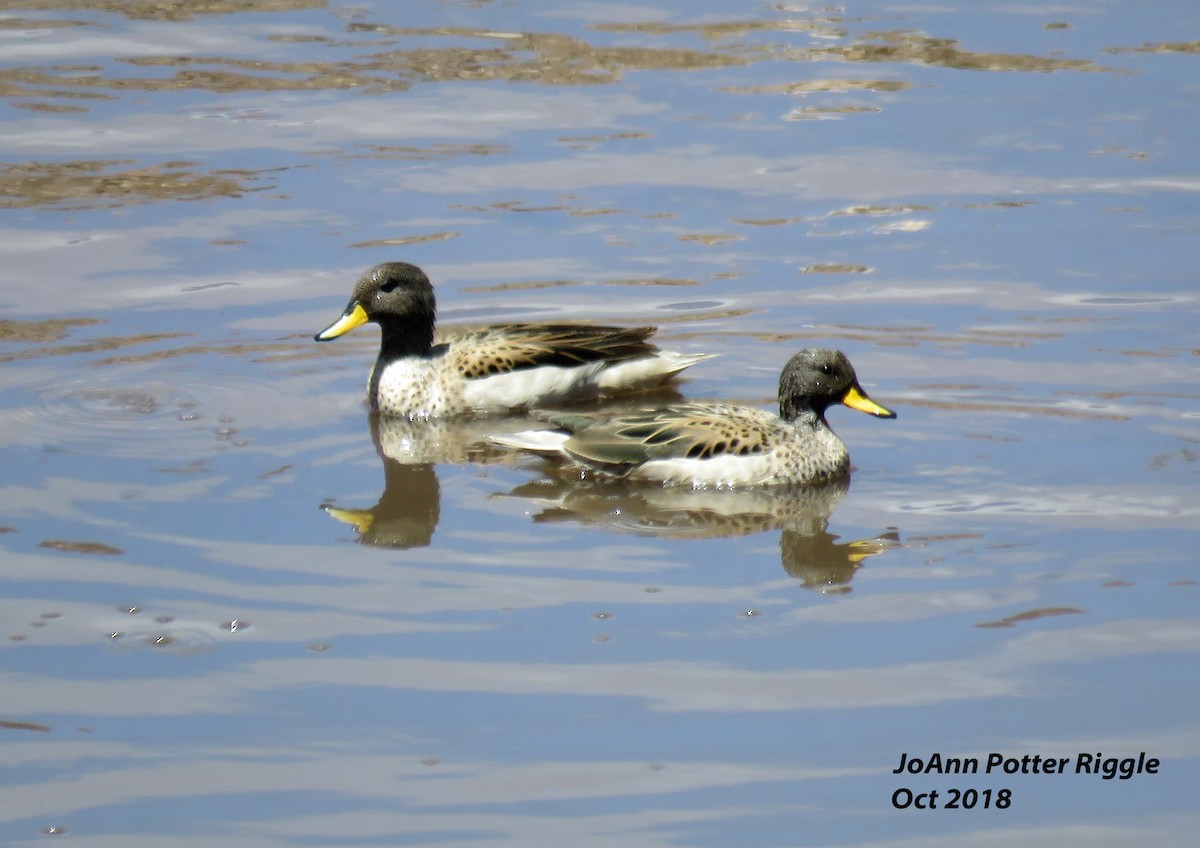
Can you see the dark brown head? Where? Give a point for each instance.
(399, 298)
(817, 378)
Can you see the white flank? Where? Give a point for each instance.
(546, 384)
(717, 472)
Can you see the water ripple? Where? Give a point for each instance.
(153, 418)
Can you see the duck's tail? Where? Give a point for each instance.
(534, 441)
(648, 371)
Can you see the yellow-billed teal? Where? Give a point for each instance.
(719, 444)
(493, 369)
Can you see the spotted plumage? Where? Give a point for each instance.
(493, 369)
(719, 444)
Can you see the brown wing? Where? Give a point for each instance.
(679, 431)
(504, 348)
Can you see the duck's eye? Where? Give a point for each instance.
(826, 368)
(389, 286)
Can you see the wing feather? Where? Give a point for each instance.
(681, 431)
(505, 348)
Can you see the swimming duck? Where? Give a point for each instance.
(719, 444)
(494, 369)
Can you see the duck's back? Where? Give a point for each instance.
(512, 366)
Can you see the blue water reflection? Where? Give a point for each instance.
(990, 209)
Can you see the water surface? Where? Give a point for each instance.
(238, 610)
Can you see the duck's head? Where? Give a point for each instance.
(394, 295)
(817, 378)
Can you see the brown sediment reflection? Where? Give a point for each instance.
(591, 142)
(40, 23)
(768, 222)
(275, 352)
(1126, 394)
(169, 10)
(711, 238)
(1013, 408)
(1030, 615)
(51, 330)
(883, 336)
(94, 346)
(922, 49)
(548, 58)
(877, 210)
(835, 86)
(98, 184)
(591, 213)
(524, 285)
(523, 206)
(194, 73)
(406, 240)
(435, 152)
(98, 548)
(57, 108)
(1159, 47)
(815, 113)
(551, 284)
(834, 268)
(218, 73)
(25, 725)
(539, 57)
(728, 29)
(294, 347)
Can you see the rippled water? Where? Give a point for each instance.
(238, 610)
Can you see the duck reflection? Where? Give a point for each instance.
(407, 513)
(820, 560)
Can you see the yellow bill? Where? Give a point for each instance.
(354, 316)
(856, 398)
(360, 519)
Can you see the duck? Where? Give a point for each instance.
(717, 445)
(494, 369)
